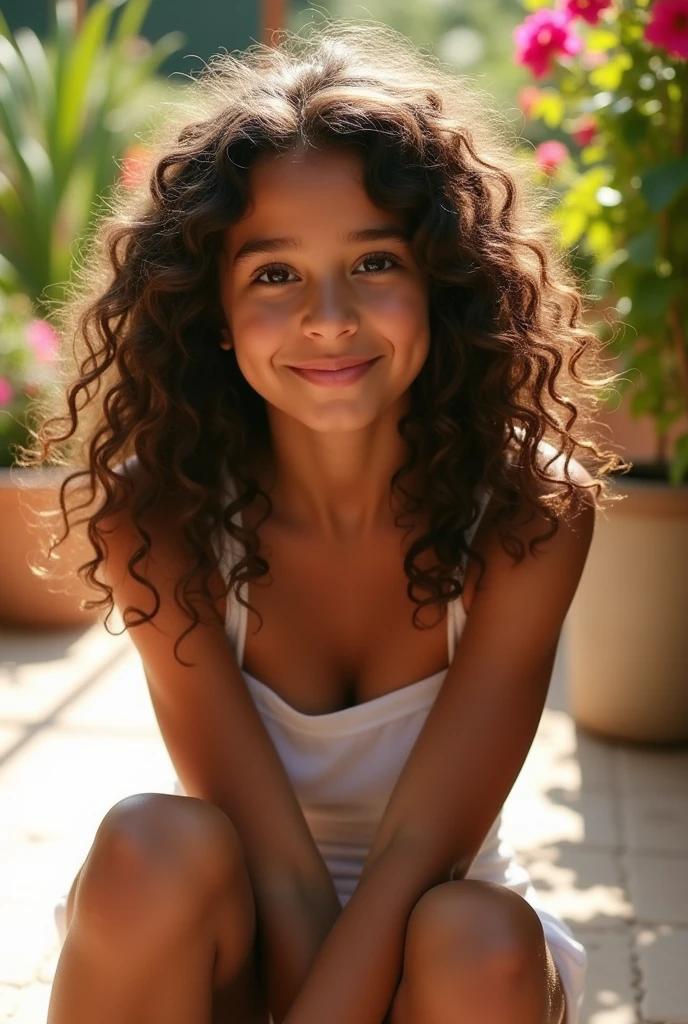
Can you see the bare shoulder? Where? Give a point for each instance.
(566, 551)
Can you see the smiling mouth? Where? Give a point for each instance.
(333, 378)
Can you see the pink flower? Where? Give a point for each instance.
(586, 130)
(6, 391)
(541, 37)
(589, 10)
(668, 27)
(43, 340)
(549, 155)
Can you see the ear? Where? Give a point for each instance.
(226, 342)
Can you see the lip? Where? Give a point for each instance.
(345, 363)
(335, 377)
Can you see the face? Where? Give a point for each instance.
(315, 299)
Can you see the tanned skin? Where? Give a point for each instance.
(218, 907)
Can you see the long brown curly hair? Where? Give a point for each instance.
(147, 377)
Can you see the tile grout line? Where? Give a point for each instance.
(637, 980)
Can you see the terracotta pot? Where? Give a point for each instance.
(26, 600)
(627, 638)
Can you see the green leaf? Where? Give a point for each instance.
(652, 295)
(71, 113)
(10, 279)
(634, 127)
(642, 250)
(661, 184)
(38, 72)
(130, 20)
(678, 468)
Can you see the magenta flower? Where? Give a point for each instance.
(585, 131)
(43, 340)
(589, 10)
(6, 391)
(543, 36)
(668, 27)
(549, 155)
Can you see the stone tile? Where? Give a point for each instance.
(532, 820)
(663, 955)
(118, 701)
(27, 936)
(32, 1005)
(62, 782)
(658, 887)
(40, 670)
(608, 995)
(595, 760)
(653, 772)
(582, 886)
(10, 736)
(655, 823)
(9, 1001)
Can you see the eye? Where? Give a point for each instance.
(380, 257)
(373, 257)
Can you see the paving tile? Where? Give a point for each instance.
(63, 781)
(9, 1001)
(582, 886)
(117, 702)
(40, 670)
(608, 995)
(658, 887)
(32, 1004)
(655, 772)
(663, 956)
(532, 820)
(10, 736)
(655, 823)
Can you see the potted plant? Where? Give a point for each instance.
(69, 111)
(616, 103)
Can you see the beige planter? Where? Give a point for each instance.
(628, 623)
(27, 600)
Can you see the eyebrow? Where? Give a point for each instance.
(265, 245)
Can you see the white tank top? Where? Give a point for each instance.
(344, 765)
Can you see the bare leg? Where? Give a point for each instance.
(162, 921)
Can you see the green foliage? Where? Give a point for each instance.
(68, 109)
(624, 198)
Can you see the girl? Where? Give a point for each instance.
(328, 409)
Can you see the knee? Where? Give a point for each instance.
(156, 859)
(469, 931)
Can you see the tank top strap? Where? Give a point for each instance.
(228, 551)
(456, 610)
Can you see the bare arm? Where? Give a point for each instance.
(222, 752)
(480, 727)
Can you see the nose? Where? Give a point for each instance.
(330, 309)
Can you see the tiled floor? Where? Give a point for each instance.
(602, 828)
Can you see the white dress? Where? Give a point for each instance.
(344, 766)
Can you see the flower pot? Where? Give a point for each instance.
(26, 600)
(627, 638)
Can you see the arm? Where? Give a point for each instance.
(222, 752)
(481, 726)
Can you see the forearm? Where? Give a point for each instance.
(355, 975)
(293, 919)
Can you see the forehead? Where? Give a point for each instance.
(318, 188)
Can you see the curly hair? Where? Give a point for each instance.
(147, 377)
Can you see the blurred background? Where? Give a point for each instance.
(596, 92)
